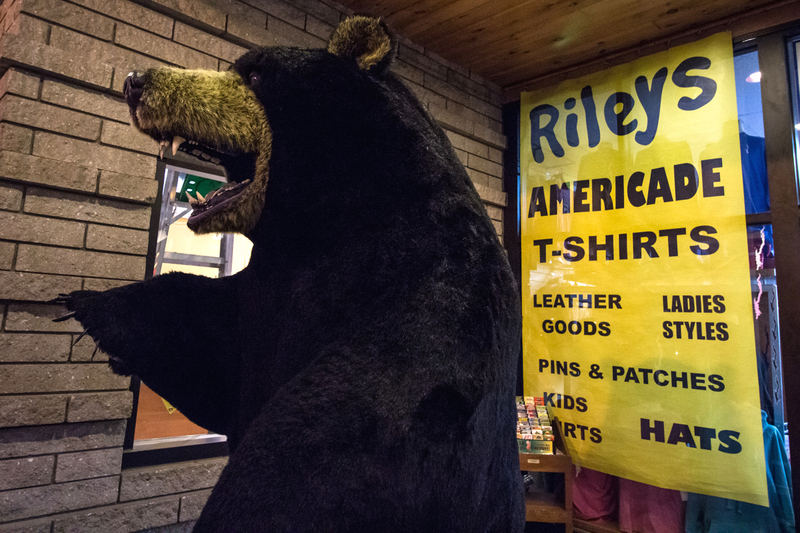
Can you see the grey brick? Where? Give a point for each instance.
(467, 85)
(469, 114)
(33, 348)
(28, 526)
(169, 51)
(467, 144)
(42, 230)
(15, 138)
(485, 108)
(87, 465)
(136, 516)
(477, 177)
(45, 377)
(84, 350)
(27, 472)
(100, 406)
(148, 482)
(321, 29)
(241, 9)
(96, 284)
(34, 317)
(451, 121)
(495, 213)
(281, 10)
(93, 155)
(498, 227)
(449, 64)
(486, 166)
(132, 14)
(408, 72)
(122, 59)
(252, 33)
(86, 208)
(32, 410)
(208, 44)
(495, 155)
(44, 171)
(192, 505)
(116, 185)
(70, 64)
(462, 156)
(126, 136)
(35, 287)
(492, 86)
(440, 86)
(10, 197)
(48, 260)
(113, 239)
(58, 498)
(427, 97)
(419, 60)
(31, 29)
(492, 196)
(72, 16)
(491, 137)
(19, 82)
(41, 440)
(85, 100)
(201, 11)
(287, 35)
(319, 10)
(7, 251)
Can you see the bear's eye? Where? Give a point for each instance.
(254, 79)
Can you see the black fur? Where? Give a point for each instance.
(363, 365)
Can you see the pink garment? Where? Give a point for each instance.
(648, 509)
(594, 495)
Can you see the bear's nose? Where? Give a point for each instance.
(132, 88)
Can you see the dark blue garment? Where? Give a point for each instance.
(708, 514)
(754, 172)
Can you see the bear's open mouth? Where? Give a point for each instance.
(218, 199)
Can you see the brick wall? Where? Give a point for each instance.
(77, 185)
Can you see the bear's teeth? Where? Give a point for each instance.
(164, 145)
(176, 142)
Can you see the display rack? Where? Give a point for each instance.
(545, 506)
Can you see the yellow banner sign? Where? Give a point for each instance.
(637, 312)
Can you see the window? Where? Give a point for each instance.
(155, 424)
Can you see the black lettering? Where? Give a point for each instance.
(658, 187)
(581, 405)
(592, 126)
(596, 435)
(635, 195)
(657, 429)
(580, 195)
(686, 182)
(559, 195)
(548, 132)
(672, 239)
(644, 241)
(681, 433)
(712, 244)
(711, 178)
(571, 244)
(729, 441)
(604, 329)
(574, 369)
(616, 120)
(651, 101)
(722, 331)
(705, 435)
(707, 86)
(601, 194)
(716, 383)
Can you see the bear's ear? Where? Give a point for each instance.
(365, 40)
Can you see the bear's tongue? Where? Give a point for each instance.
(216, 201)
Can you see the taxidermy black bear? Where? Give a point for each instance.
(363, 364)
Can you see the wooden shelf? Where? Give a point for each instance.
(594, 526)
(544, 506)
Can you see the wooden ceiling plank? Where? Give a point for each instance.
(420, 11)
(442, 16)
